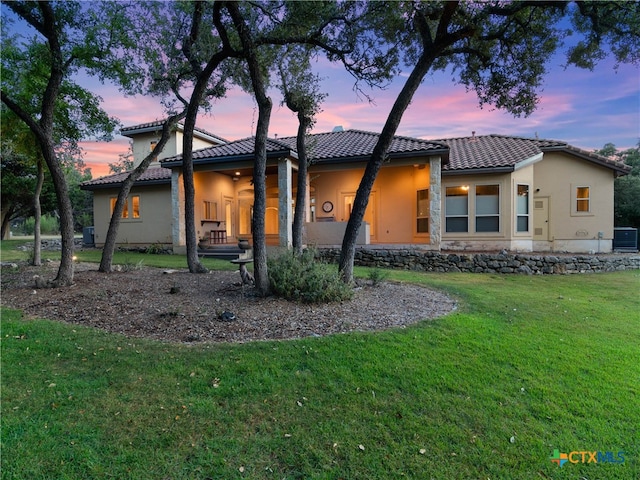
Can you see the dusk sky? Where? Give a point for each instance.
(584, 108)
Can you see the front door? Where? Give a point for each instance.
(541, 219)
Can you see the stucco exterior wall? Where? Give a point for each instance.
(557, 178)
(141, 146)
(391, 213)
(213, 188)
(198, 143)
(506, 237)
(153, 225)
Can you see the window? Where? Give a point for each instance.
(422, 211)
(582, 199)
(135, 206)
(487, 208)
(457, 209)
(209, 210)
(522, 209)
(131, 208)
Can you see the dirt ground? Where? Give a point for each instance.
(176, 306)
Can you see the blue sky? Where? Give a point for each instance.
(584, 108)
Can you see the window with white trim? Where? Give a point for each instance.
(456, 208)
(487, 208)
(583, 200)
(422, 211)
(522, 208)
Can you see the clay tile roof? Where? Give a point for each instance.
(244, 146)
(498, 152)
(153, 175)
(488, 152)
(240, 148)
(330, 147)
(358, 144)
(133, 129)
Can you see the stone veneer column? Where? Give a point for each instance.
(285, 214)
(177, 213)
(435, 201)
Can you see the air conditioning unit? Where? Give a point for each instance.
(625, 239)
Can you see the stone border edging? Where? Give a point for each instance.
(523, 263)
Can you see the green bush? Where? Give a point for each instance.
(377, 276)
(301, 277)
(49, 225)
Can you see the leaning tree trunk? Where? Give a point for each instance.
(347, 255)
(301, 194)
(260, 162)
(260, 196)
(199, 92)
(37, 215)
(7, 211)
(106, 262)
(189, 188)
(64, 277)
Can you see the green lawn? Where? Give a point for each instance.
(525, 366)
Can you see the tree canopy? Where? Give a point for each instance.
(498, 49)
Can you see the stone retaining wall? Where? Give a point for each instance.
(428, 261)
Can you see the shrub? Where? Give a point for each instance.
(49, 225)
(377, 276)
(301, 277)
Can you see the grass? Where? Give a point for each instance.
(526, 365)
(10, 253)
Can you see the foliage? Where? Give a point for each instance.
(498, 49)
(81, 200)
(124, 163)
(377, 275)
(547, 360)
(626, 188)
(627, 201)
(57, 41)
(49, 225)
(301, 277)
(19, 156)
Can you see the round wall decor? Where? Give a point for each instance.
(327, 207)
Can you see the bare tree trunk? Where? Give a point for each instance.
(7, 211)
(260, 151)
(260, 196)
(378, 156)
(37, 215)
(301, 194)
(189, 188)
(64, 277)
(106, 262)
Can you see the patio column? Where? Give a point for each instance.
(285, 213)
(177, 214)
(435, 204)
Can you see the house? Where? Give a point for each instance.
(478, 193)
(147, 218)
